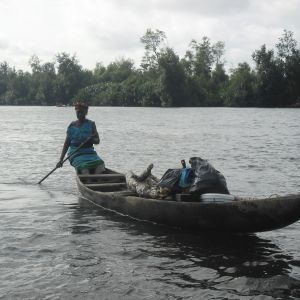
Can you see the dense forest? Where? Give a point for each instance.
(163, 78)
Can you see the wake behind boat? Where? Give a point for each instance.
(109, 190)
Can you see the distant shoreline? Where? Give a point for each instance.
(67, 106)
(163, 79)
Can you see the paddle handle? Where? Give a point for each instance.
(47, 175)
(79, 147)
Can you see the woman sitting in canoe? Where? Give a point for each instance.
(85, 160)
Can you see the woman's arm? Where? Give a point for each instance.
(96, 138)
(63, 152)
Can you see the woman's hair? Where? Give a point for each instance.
(80, 104)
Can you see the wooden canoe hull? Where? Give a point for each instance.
(252, 215)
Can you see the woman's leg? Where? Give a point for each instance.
(100, 169)
(85, 171)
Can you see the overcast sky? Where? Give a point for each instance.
(106, 30)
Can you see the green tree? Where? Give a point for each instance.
(172, 81)
(43, 80)
(131, 90)
(205, 82)
(240, 90)
(154, 42)
(118, 71)
(70, 77)
(98, 72)
(272, 84)
(289, 60)
(149, 91)
(200, 58)
(19, 89)
(14, 86)
(115, 80)
(5, 75)
(218, 83)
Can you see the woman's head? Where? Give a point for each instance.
(81, 109)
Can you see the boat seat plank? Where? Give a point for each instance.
(106, 187)
(101, 175)
(114, 178)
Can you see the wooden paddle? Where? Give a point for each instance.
(75, 151)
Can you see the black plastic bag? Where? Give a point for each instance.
(206, 178)
(170, 180)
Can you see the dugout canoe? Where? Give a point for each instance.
(109, 191)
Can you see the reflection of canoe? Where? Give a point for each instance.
(108, 190)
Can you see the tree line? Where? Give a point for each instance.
(163, 79)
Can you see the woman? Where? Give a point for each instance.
(85, 160)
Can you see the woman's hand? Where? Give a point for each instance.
(95, 140)
(59, 164)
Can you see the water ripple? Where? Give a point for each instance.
(52, 248)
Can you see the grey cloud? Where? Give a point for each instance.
(4, 44)
(205, 8)
(10, 47)
(112, 39)
(109, 29)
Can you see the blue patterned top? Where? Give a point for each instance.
(86, 157)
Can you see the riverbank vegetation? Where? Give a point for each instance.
(199, 78)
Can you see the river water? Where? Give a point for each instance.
(53, 248)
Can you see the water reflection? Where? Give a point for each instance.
(224, 264)
(83, 220)
(243, 255)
